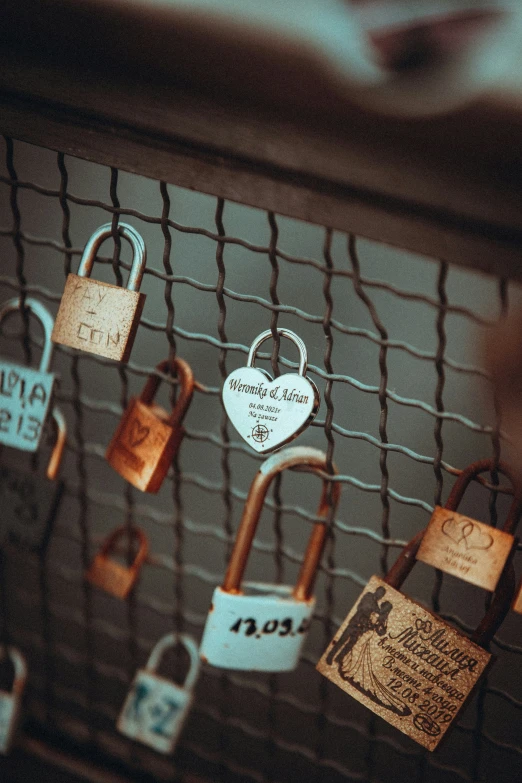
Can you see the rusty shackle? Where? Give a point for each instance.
(185, 376)
(109, 545)
(55, 459)
(287, 458)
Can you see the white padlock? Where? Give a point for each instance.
(25, 393)
(11, 701)
(257, 626)
(156, 708)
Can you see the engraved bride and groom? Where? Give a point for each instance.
(351, 651)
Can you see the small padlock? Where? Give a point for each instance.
(156, 708)
(11, 701)
(98, 317)
(256, 626)
(406, 664)
(29, 501)
(464, 547)
(147, 437)
(109, 575)
(25, 393)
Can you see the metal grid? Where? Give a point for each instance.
(82, 647)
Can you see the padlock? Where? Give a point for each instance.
(30, 501)
(107, 574)
(98, 317)
(11, 701)
(464, 547)
(156, 708)
(257, 626)
(406, 664)
(147, 437)
(26, 393)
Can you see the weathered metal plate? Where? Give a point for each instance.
(25, 396)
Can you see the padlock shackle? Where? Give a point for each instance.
(483, 466)
(170, 640)
(185, 376)
(139, 252)
(45, 318)
(20, 667)
(277, 463)
(303, 356)
(500, 602)
(109, 544)
(56, 457)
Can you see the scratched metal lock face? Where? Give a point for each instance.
(25, 396)
(110, 576)
(29, 504)
(404, 663)
(9, 715)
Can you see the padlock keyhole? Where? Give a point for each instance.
(7, 673)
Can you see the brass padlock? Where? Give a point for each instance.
(26, 393)
(406, 664)
(30, 501)
(147, 437)
(98, 317)
(464, 547)
(109, 575)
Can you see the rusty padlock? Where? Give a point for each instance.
(148, 437)
(257, 626)
(98, 317)
(25, 393)
(406, 664)
(463, 547)
(107, 574)
(11, 701)
(30, 501)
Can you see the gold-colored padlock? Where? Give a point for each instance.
(148, 437)
(464, 547)
(109, 575)
(99, 317)
(403, 662)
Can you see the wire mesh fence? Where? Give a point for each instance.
(392, 341)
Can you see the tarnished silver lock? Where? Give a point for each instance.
(156, 708)
(257, 626)
(11, 701)
(25, 393)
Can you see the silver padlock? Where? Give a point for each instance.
(11, 701)
(25, 393)
(156, 708)
(256, 626)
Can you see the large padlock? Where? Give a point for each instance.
(156, 708)
(406, 664)
(464, 547)
(26, 393)
(98, 317)
(30, 501)
(11, 701)
(114, 578)
(257, 626)
(148, 437)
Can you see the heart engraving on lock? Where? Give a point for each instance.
(465, 531)
(268, 413)
(138, 433)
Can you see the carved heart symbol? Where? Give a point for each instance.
(269, 413)
(479, 539)
(467, 531)
(137, 433)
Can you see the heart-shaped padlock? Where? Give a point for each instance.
(268, 413)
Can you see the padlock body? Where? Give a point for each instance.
(154, 711)
(29, 504)
(111, 576)
(143, 446)
(404, 663)
(98, 317)
(261, 629)
(464, 547)
(25, 396)
(9, 716)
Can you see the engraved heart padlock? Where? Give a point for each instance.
(156, 708)
(269, 413)
(257, 626)
(148, 437)
(26, 393)
(107, 574)
(405, 663)
(97, 317)
(11, 701)
(464, 547)
(29, 501)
